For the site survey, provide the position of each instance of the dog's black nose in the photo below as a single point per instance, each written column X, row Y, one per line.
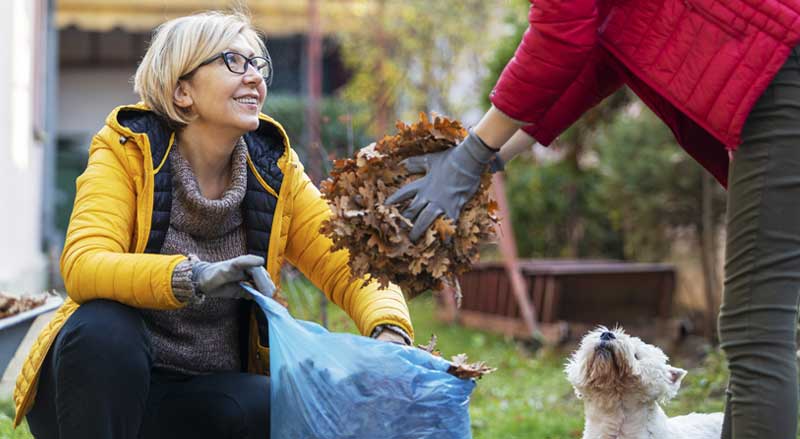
column 606, row 336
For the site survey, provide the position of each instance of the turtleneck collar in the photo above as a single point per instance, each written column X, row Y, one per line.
column 196, row 214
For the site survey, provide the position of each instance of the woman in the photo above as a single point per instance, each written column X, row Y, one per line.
column 725, row 76
column 185, row 195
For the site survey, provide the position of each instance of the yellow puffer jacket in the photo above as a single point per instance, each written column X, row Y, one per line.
column 110, row 227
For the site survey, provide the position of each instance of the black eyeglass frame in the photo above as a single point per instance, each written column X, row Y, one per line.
column 248, row 62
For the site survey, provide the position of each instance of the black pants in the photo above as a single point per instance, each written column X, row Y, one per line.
column 97, row 381
column 758, row 318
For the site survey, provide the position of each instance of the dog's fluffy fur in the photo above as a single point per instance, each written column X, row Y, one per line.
column 621, row 380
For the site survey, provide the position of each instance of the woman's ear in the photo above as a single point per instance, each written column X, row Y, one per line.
column 182, row 96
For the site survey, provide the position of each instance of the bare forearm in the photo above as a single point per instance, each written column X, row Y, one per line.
column 495, row 128
column 518, row 143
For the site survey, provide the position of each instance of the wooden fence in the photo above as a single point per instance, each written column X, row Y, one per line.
column 568, row 296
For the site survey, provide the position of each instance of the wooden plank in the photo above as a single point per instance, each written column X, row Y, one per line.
column 468, row 288
column 512, row 308
column 549, row 299
column 538, row 295
column 667, row 291
column 566, row 291
column 489, row 291
column 487, row 279
column 599, row 298
column 503, row 296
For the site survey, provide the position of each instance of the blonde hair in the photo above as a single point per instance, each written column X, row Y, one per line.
column 181, row 45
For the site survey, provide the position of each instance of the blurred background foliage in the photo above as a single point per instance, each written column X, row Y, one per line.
column 613, row 186
column 411, row 55
column 340, row 134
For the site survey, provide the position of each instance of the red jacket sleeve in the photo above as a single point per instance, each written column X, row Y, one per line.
column 553, row 52
column 595, row 82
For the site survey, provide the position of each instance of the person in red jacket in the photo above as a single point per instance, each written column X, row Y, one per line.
column 724, row 75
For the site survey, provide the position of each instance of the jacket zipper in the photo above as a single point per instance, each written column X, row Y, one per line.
column 727, row 28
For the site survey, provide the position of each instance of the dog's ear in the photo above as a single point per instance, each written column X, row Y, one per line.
column 676, row 375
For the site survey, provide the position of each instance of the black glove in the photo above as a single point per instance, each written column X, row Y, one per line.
column 221, row 279
column 451, row 178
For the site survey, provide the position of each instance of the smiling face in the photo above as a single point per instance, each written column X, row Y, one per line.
column 222, row 99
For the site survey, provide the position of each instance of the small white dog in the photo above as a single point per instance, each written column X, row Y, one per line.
column 621, row 380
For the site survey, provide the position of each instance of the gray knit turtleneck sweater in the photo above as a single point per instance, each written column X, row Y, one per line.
column 203, row 336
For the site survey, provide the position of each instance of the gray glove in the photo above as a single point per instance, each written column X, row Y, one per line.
column 263, row 281
column 451, row 179
column 221, row 279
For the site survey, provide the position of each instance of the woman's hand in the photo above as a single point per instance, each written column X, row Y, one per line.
column 451, row 178
column 221, row 279
column 262, row 280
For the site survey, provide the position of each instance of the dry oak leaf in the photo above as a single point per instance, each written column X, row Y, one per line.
column 459, row 366
column 461, row 369
column 431, row 346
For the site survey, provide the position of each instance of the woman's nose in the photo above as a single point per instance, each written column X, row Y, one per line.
column 251, row 75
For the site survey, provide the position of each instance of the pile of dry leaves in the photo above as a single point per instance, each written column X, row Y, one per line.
column 11, row 304
column 377, row 235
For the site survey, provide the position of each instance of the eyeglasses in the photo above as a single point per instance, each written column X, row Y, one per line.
column 238, row 63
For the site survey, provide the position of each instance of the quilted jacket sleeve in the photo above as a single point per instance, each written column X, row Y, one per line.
column 552, row 54
column 595, row 82
column 310, row 251
column 97, row 262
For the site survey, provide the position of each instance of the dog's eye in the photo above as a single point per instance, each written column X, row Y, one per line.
column 636, row 356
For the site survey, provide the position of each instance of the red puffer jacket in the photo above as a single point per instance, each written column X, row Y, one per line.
column 699, row 64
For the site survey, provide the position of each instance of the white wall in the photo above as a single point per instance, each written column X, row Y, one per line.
column 85, row 97
column 22, row 267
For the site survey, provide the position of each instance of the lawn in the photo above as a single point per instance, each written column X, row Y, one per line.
column 528, row 396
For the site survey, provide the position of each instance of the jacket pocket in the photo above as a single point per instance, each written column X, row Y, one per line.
column 258, row 342
column 731, row 24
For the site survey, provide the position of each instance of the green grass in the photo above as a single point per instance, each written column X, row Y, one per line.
column 528, row 396
column 6, row 432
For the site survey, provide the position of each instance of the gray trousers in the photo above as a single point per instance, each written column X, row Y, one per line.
column 758, row 317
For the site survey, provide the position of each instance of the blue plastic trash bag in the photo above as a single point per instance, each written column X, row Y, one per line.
column 341, row 386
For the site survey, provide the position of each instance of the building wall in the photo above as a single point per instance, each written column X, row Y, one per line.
column 22, row 264
column 87, row 95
